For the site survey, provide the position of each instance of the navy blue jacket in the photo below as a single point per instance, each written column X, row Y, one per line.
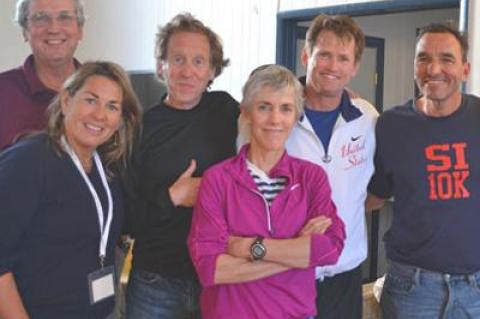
column 49, row 232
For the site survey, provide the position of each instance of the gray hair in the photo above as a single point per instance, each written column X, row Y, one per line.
column 276, row 77
column 23, row 11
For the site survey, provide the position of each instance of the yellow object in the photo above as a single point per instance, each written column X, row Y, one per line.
column 127, row 265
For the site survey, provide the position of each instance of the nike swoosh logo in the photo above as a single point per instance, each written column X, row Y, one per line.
column 355, row 138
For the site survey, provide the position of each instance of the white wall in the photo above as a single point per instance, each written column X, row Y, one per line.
column 123, row 31
column 14, row 49
column 286, row 5
column 247, row 28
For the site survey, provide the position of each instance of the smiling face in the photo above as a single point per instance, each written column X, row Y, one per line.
column 271, row 115
column 92, row 115
column 440, row 70
column 53, row 31
column 330, row 66
column 187, row 69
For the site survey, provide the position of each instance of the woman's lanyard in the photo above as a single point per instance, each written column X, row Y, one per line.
column 104, row 229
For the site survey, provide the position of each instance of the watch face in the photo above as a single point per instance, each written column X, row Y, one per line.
column 258, row 251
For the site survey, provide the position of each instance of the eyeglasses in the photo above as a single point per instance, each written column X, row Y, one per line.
column 42, row 19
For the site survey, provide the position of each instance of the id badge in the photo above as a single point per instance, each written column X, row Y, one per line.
column 101, row 284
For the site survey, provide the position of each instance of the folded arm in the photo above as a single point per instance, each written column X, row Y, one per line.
column 291, row 253
column 230, row 269
column 237, row 265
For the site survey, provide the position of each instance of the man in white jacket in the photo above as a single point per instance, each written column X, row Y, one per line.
column 337, row 132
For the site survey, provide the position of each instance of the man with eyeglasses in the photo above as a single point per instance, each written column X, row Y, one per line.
column 53, row 30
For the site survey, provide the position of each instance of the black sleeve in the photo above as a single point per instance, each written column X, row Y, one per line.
column 137, row 204
column 146, row 201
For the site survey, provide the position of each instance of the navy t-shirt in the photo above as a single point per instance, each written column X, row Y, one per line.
column 432, row 168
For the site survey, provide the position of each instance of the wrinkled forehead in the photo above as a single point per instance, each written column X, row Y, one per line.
column 330, row 40
column 434, row 43
column 345, row 38
column 51, row 6
column 187, row 42
column 272, row 94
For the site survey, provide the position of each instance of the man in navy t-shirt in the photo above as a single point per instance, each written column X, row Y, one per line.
column 428, row 159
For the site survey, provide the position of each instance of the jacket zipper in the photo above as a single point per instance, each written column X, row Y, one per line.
column 326, row 158
column 267, row 211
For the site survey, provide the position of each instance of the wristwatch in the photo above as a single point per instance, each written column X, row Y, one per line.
column 258, row 249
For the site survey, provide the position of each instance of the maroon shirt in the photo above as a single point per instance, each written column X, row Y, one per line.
column 23, row 102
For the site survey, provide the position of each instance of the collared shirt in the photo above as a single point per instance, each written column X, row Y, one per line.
column 23, row 102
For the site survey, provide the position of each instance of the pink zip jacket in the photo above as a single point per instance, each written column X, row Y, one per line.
column 229, row 203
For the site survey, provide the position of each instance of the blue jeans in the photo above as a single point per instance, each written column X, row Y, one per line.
column 150, row 296
column 410, row 292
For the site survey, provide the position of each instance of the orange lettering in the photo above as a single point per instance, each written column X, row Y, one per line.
column 459, row 179
column 444, row 160
column 460, row 156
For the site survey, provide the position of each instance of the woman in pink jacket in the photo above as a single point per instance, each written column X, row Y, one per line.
column 263, row 220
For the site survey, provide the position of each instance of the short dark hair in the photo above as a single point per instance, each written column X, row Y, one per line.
column 342, row 26
column 446, row 28
column 186, row 22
